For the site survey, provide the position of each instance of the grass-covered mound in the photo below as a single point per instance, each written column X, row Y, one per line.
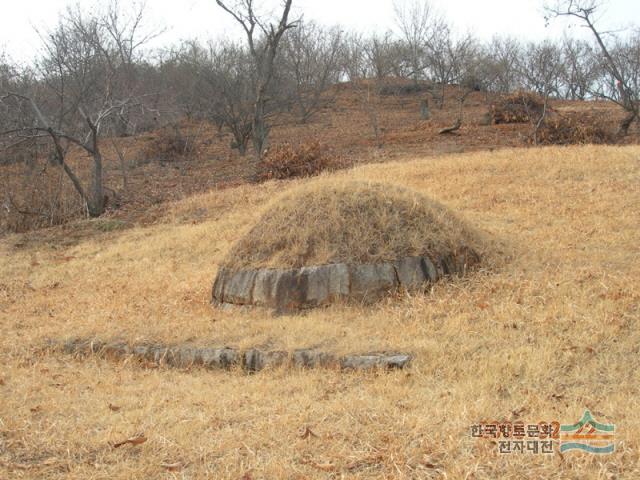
column 350, row 222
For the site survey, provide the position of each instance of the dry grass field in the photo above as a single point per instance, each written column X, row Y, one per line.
column 548, row 328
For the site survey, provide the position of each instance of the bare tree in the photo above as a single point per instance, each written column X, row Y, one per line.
column 7, row 76
column 382, row 55
column 541, row 66
column 311, row 57
column 126, row 35
column 500, row 64
column 353, row 61
column 226, row 93
column 581, row 69
column 625, row 96
column 7, row 72
column 627, row 55
column 72, row 98
column 418, row 23
column 447, row 56
column 263, row 38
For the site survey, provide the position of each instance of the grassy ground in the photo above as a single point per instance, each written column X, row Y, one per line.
column 546, row 330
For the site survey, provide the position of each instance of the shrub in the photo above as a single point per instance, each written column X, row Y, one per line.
column 171, row 143
column 517, row 108
column 574, row 129
column 304, row 160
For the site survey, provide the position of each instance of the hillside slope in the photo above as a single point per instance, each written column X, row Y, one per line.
column 151, row 172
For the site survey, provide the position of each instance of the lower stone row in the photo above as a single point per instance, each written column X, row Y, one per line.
column 252, row 360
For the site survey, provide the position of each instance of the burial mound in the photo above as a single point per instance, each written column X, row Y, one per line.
column 332, row 241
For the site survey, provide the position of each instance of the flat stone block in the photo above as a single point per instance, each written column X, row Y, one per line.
column 369, row 282
column 411, row 272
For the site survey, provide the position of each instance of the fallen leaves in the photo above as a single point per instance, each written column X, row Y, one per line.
column 137, row 439
column 114, row 408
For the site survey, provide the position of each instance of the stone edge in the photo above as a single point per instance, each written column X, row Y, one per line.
column 310, row 287
column 225, row 358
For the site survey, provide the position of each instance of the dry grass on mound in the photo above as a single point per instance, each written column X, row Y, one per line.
column 350, row 222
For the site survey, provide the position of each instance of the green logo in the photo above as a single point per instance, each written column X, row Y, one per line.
column 588, row 435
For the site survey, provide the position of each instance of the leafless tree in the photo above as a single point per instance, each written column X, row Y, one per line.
column 383, row 56
column 73, row 96
column 581, row 68
column 500, row 64
column 177, row 76
column 624, row 95
column 541, row 66
column 311, row 58
column 126, row 35
column 7, row 76
column 7, row 72
column 227, row 91
column 353, row 60
column 263, row 39
column 419, row 23
column 627, row 55
column 447, row 56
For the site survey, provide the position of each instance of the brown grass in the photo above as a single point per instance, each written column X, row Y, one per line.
column 333, row 221
column 544, row 336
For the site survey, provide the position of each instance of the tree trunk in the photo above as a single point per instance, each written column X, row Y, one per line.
column 260, row 130
column 96, row 204
column 425, row 114
column 626, row 122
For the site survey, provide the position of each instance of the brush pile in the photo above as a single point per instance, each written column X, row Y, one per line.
column 572, row 129
column 518, row 107
column 286, row 160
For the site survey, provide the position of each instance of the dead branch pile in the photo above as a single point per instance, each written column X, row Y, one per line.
column 519, row 107
column 303, row 160
column 573, row 129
